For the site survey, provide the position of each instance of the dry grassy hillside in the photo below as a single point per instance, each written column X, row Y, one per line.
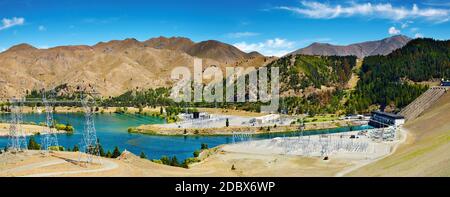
column 111, row 67
column 426, row 152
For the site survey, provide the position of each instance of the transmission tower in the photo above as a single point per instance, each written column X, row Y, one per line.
column 50, row 138
column 17, row 137
column 89, row 143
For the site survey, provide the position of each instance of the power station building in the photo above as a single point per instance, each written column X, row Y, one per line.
column 384, row 119
column 445, row 83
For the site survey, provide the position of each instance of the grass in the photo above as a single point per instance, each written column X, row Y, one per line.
column 322, row 118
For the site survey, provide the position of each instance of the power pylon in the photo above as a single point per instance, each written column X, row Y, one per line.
column 89, row 144
column 17, row 137
column 50, row 138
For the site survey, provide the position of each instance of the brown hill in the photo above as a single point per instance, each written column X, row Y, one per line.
column 211, row 49
column 110, row 67
column 425, row 152
column 361, row 50
column 172, row 43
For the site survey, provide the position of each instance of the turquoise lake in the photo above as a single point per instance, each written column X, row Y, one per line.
column 112, row 131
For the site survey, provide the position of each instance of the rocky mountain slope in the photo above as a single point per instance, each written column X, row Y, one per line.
column 361, row 50
column 206, row 49
column 111, row 67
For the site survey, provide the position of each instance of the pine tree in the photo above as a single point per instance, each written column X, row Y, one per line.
column 108, row 154
column 100, row 148
column 165, row 160
column 116, row 153
column 174, row 161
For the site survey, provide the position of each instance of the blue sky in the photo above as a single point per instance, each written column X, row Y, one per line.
column 272, row 27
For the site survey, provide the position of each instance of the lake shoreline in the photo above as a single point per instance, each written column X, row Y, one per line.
column 28, row 129
column 229, row 131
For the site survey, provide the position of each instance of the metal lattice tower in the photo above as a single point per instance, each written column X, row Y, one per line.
column 50, row 138
column 17, row 137
column 89, row 143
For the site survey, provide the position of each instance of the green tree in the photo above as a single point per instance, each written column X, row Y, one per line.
column 143, row 156
column 174, row 161
column 108, row 154
column 33, row 145
column 196, row 153
column 227, row 123
column 75, row 148
column 165, row 160
column 116, row 153
column 140, row 109
column 100, row 148
column 204, row 146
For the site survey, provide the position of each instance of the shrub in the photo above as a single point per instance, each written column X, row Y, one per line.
column 75, row 148
column 33, row 145
column 143, row 156
column 196, row 153
column 56, row 148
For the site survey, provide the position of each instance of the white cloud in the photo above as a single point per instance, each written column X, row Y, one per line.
column 272, row 47
column 418, row 35
column 393, row 31
column 414, row 29
column 42, row 28
column 406, row 24
column 241, row 34
column 313, row 9
column 7, row 23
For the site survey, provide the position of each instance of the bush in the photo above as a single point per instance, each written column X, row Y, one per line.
column 56, row 148
column 33, row 145
column 174, row 162
column 188, row 161
column 143, row 156
column 204, row 146
column 196, row 153
column 165, row 160
column 75, row 148
column 62, row 127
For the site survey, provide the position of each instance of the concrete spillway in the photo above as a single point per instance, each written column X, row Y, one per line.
column 423, row 102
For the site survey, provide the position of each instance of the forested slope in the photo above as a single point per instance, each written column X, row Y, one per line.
column 392, row 80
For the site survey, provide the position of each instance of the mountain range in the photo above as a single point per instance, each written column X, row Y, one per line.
column 361, row 50
column 117, row 66
column 112, row 67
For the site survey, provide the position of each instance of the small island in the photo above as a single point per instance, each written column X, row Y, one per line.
column 229, row 122
column 33, row 129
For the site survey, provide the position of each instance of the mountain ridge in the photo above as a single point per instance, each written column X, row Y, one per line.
column 112, row 67
column 361, row 50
